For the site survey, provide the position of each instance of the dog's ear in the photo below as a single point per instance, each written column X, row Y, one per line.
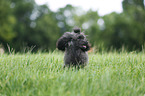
column 60, row 44
column 63, row 41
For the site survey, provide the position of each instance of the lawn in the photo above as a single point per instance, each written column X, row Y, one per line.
column 42, row 74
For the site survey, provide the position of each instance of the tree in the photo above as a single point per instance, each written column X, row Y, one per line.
column 46, row 31
column 124, row 29
column 128, row 4
column 65, row 17
column 7, row 22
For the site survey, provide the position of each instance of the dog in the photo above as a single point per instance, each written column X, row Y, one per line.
column 75, row 46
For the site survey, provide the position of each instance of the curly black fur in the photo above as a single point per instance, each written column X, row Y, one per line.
column 75, row 46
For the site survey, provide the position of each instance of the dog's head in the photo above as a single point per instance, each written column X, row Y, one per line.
column 78, row 41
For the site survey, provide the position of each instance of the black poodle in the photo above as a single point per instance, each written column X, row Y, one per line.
column 75, row 46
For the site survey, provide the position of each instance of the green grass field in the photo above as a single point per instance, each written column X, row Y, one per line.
column 41, row 74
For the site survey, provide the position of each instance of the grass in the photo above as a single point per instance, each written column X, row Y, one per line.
column 41, row 74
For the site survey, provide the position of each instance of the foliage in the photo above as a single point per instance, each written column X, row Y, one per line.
column 43, row 74
column 65, row 18
column 24, row 24
column 128, row 4
column 7, row 22
column 30, row 25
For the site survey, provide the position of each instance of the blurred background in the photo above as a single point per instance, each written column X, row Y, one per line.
column 37, row 24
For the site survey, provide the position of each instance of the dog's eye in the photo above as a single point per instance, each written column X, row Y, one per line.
column 80, row 37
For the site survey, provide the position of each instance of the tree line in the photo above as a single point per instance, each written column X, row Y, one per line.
column 25, row 25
